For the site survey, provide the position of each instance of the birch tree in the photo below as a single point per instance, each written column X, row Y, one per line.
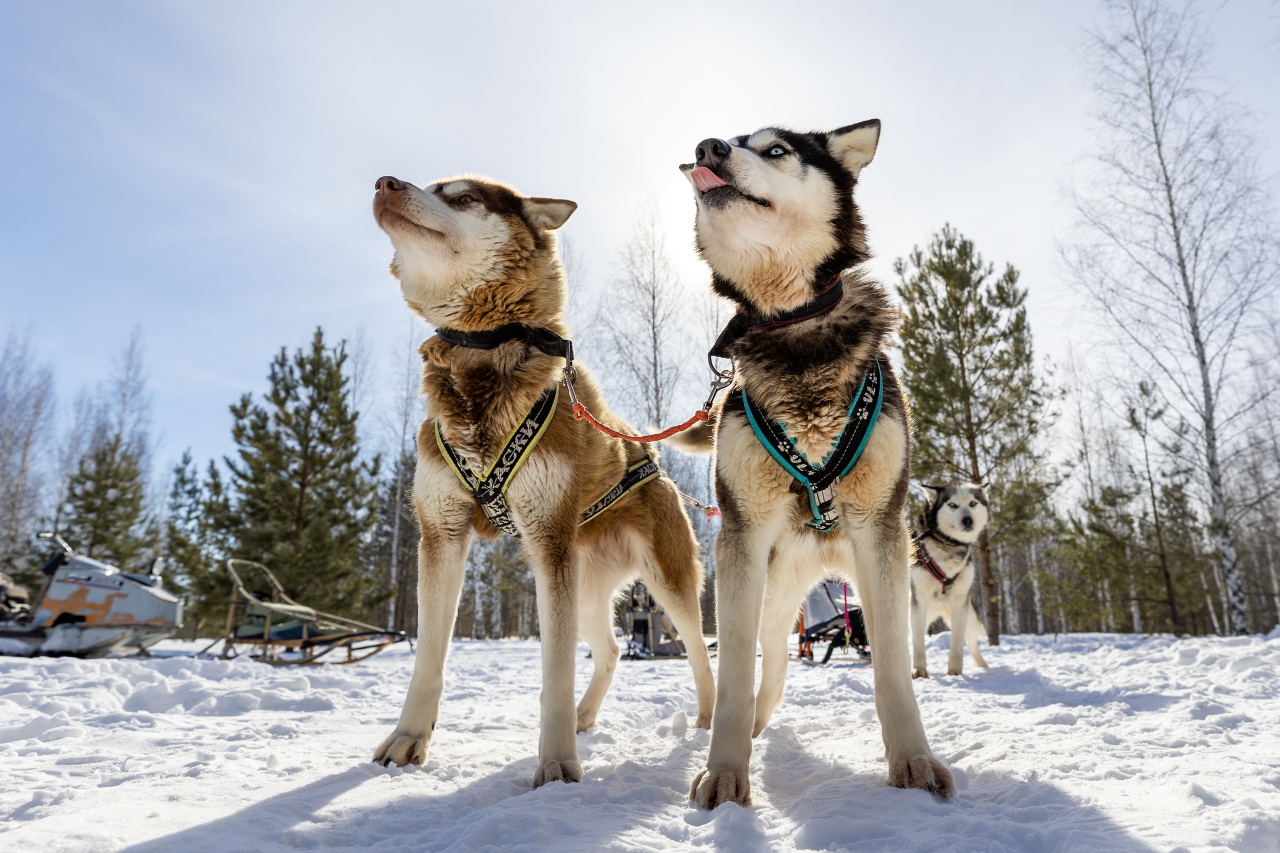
column 26, row 404
column 1174, row 241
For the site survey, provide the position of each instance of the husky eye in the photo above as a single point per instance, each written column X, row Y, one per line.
column 953, row 504
column 973, row 503
column 465, row 198
column 776, row 151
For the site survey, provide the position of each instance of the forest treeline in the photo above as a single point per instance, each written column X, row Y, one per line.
column 1133, row 485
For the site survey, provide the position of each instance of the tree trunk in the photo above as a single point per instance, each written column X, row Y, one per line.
column 1208, row 603
column 991, row 596
column 1035, row 590
column 1275, row 581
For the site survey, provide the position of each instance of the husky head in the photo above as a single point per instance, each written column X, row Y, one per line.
column 956, row 510
column 776, row 219
column 473, row 254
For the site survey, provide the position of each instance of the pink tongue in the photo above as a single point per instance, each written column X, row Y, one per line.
column 705, row 179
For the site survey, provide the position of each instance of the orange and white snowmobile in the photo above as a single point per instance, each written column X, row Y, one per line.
column 87, row 608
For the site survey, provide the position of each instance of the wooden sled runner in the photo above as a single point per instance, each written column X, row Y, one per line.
column 282, row 632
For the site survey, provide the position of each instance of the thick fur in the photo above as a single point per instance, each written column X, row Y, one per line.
column 778, row 230
column 957, row 514
column 472, row 254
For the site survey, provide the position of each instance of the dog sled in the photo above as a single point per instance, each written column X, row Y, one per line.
column 275, row 629
column 840, row 625
column 647, row 628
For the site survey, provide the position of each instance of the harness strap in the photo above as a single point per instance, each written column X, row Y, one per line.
column 820, row 480
column 931, row 565
column 490, row 490
column 638, row 473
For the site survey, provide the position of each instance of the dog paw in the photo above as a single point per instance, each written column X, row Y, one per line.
column 704, row 721
column 711, row 788
column 401, row 749
column 585, row 721
column 920, row 672
column 955, row 670
column 558, row 771
column 924, row 772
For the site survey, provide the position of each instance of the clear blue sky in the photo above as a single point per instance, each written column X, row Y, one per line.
column 205, row 170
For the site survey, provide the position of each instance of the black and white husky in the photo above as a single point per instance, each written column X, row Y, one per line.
column 942, row 571
column 811, row 442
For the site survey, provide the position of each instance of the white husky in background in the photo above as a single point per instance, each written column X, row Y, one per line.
column 942, row 571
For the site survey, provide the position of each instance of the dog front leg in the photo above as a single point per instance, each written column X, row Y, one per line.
column 919, row 623
column 556, row 564
column 740, row 581
column 880, row 554
column 973, row 637
column 441, row 567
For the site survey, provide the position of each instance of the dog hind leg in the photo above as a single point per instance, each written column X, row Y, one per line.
column 555, row 570
column 919, row 624
column 775, row 624
column 880, row 557
column 674, row 573
column 595, row 625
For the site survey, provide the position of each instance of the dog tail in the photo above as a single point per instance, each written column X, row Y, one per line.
column 698, row 439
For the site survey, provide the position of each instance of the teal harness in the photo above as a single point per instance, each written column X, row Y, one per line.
column 820, row 481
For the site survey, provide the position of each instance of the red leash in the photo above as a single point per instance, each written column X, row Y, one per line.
column 722, row 379
column 580, row 412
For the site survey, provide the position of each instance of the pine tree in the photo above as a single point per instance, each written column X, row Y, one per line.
column 106, row 504
column 977, row 404
column 299, row 499
column 193, row 565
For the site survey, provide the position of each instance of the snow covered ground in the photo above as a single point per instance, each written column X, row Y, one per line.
column 1091, row 742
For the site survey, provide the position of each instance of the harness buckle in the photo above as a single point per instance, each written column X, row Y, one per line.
column 720, row 379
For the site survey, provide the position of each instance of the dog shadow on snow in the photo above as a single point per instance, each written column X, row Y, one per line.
column 818, row 802
column 832, row 806
column 497, row 811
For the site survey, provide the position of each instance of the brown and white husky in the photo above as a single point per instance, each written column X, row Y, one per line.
column 777, row 225
column 478, row 260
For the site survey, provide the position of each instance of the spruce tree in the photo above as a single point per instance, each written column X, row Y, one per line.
column 298, row 498
column 976, row 402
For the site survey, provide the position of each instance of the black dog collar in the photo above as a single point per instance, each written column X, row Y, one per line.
column 742, row 322
column 541, row 339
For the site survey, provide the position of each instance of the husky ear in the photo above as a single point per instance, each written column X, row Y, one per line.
column 855, row 145
column 549, row 213
column 931, row 492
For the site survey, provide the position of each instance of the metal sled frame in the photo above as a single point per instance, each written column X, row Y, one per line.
column 359, row 639
column 832, row 630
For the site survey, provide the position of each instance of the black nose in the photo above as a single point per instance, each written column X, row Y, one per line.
column 967, row 522
column 711, row 152
column 388, row 183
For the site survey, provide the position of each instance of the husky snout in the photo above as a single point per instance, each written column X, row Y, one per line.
column 389, row 184
column 966, row 522
column 711, row 153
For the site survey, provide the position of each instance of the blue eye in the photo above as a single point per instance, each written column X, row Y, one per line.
column 777, row 151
